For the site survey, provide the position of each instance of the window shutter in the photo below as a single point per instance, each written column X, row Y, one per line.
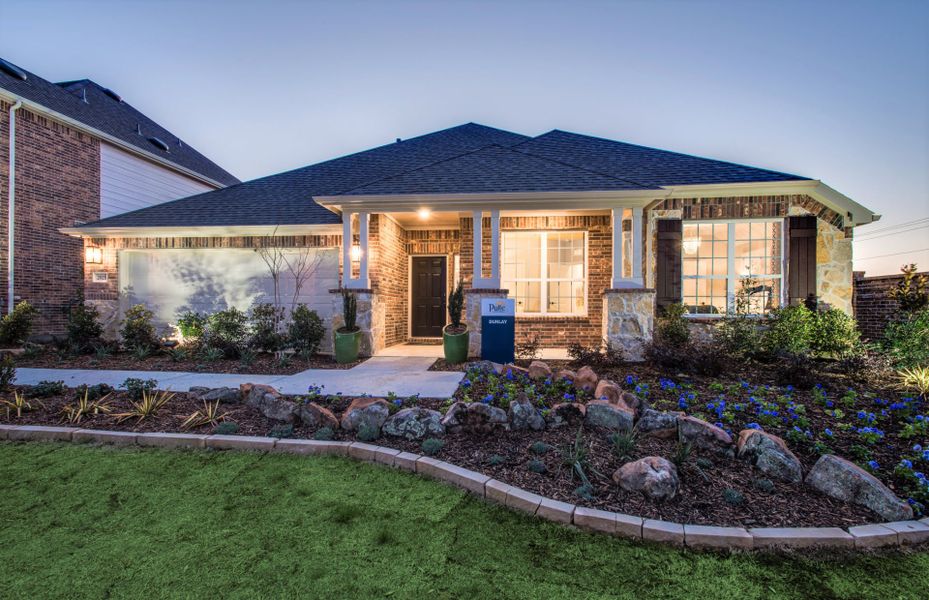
column 801, row 259
column 668, row 276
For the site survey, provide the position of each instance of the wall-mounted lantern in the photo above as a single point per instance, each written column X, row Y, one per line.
column 93, row 255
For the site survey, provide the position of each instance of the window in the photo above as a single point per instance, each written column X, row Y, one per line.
column 732, row 266
column 545, row 271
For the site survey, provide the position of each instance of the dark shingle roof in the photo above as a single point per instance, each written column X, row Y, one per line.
column 494, row 169
column 118, row 119
column 287, row 198
column 646, row 166
column 469, row 158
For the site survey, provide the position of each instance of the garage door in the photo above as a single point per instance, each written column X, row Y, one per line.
column 171, row 282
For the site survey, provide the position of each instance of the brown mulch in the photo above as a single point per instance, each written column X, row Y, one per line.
column 441, row 365
column 700, row 499
column 264, row 364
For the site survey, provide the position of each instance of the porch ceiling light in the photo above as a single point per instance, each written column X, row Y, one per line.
column 691, row 245
column 424, row 213
column 356, row 253
column 93, row 255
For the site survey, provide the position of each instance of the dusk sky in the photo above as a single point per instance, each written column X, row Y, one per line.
column 838, row 91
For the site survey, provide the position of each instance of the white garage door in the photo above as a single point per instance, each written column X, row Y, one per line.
column 171, row 282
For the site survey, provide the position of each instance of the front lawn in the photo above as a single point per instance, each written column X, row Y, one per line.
column 105, row 522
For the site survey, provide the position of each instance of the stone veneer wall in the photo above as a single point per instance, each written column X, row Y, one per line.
column 629, row 320
column 370, row 317
column 833, row 243
column 557, row 332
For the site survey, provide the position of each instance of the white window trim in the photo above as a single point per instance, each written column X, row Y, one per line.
column 544, row 280
column 730, row 263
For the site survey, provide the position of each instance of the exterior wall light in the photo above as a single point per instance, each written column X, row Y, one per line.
column 424, row 213
column 93, row 255
column 356, row 253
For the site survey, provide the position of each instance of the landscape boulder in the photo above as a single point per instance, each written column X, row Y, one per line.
column 475, row 417
column 701, row 434
column 316, row 416
column 225, row 395
column 844, row 480
column 524, row 415
column 609, row 391
column 586, row 380
column 769, row 454
column 539, row 370
column 658, row 423
column 653, row 476
column 268, row 401
column 414, row 424
column 370, row 412
column 565, row 413
column 565, row 374
column 601, row 413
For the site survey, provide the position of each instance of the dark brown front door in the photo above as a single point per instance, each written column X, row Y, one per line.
column 428, row 295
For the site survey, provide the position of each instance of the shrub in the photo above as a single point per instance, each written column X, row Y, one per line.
column 593, row 356
column 84, row 328
column 148, row 405
column 92, row 392
column 455, row 308
column 138, row 387
column 227, row 331
column 912, row 292
column 495, row 460
column 368, row 433
column 540, row 448
column 794, row 369
column 47, row 389
column 137, row 329
column 306, row 330
column 834, row 333
column 282, row 431
column 192, row 325
column 324, row 434
column 765, row 485
column 672, row 327
column 432, row 446
column 623, row 444
column 790, row 330
column 15, row 326
column 536, row 466
column 528, row 350
column 265, row 323
column 907, row 340
column 738, row 336
column 733, row 497
column 7, row 371
column 226, row 428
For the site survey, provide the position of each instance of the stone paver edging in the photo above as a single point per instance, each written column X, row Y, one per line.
column 875, row 535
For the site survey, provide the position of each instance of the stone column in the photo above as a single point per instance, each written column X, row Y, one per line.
column 370, row 318
column 629, row 320
column 472, row 316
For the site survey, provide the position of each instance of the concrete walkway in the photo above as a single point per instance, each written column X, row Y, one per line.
column 376, row 376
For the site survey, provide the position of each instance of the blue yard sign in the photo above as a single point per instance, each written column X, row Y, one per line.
column 498, row 329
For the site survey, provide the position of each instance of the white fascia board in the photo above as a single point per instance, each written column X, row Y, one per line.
column 38, row 108
column 498, row 201
column 854, row 213
column 208, row 231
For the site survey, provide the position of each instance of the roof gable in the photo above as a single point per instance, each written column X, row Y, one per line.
column 89, row 103
column 641, row 164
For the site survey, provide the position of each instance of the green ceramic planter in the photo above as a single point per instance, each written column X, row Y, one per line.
column 346, row 346
column 455, row 346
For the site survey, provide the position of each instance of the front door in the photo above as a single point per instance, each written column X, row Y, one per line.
column 428, row 291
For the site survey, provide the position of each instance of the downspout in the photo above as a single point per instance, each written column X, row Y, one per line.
column 11, row 210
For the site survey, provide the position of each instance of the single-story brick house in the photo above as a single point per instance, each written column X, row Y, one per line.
column 588, row 235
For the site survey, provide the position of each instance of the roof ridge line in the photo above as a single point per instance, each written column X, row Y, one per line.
column 515, row 149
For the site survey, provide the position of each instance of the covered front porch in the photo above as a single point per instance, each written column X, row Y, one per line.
column 577, row 274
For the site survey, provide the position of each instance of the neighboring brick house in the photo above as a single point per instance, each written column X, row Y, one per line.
column 588, row 235
column 874, row 308
column 81, row 154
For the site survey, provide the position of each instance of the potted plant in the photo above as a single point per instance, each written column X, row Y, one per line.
column 348, row 337
column 455, row 335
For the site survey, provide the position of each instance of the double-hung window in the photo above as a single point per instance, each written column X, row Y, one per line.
column 545, row 271
column 730, row 266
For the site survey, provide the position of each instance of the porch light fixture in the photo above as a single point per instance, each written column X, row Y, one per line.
column 424, row 213
column 356, row 253
column 691, row 245
column 93, row 255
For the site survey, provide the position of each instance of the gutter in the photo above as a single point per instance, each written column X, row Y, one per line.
column 11, row 212
column 38, row 108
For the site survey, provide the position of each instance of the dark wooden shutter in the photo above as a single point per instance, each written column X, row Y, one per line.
column 801, row 258
column 668, row 277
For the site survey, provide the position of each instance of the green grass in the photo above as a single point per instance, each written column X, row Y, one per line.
column 79, row 522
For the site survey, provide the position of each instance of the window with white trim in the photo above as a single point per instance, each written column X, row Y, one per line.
column 732, row 265
column 546, row 271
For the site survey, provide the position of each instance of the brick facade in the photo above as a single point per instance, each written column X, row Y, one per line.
column 874, row 309
column 57, row 185
column 390, row 275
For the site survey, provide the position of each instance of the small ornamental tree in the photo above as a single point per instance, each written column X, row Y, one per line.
column 455, row 307
column 912, row 292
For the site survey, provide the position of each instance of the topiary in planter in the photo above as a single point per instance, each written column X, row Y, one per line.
column 455, row 336
column 348, row 337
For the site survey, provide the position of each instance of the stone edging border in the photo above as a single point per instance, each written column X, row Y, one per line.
column 876, row 535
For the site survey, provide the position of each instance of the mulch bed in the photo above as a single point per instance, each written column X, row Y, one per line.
column 264, row 364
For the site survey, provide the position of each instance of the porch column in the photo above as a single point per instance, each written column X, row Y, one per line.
column 362, row 281
column 621, row 279
column 617, row 225
column 637, row 246
column 492, row 282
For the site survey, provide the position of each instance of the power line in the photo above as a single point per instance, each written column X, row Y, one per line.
column 865, row 238
column 892, row 254
column 897, row 226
